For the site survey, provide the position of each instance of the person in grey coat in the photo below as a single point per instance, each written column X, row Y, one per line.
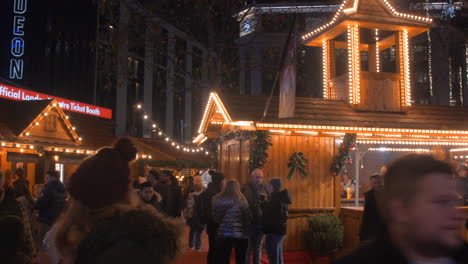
column 231, row 211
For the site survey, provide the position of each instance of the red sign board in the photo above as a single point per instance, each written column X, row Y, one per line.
column 18, row 94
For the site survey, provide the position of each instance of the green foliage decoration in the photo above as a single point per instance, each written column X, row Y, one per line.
column 259, row 148
column 298, row 162
column 343, row 158
column 324, row 234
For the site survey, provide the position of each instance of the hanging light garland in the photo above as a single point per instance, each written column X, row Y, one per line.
column 174, row 144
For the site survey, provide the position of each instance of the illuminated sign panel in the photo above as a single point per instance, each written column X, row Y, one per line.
column 18, row 94
column 17, row 42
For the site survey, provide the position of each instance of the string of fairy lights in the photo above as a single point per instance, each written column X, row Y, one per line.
column 168, row 139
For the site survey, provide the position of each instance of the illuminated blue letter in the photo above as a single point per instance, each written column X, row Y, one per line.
column 20, row 6
column 18, row 25
column 17, row 47
column 16, row 69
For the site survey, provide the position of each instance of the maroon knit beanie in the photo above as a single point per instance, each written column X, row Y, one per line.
column 104, row 178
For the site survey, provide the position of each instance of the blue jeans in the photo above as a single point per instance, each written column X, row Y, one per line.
column 274, row 248
column 255, row 243
column 195, row 238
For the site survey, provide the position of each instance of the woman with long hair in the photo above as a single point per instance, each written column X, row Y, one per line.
column 231, row 211
column 103, row 224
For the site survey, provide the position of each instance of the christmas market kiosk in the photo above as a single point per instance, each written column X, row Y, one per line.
column 366, row 116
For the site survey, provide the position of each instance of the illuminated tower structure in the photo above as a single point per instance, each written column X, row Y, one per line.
column 367, row 29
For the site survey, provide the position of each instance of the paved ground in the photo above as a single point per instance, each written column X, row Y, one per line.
column 195, row 257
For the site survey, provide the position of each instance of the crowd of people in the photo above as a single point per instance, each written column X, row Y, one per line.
column 101, row 216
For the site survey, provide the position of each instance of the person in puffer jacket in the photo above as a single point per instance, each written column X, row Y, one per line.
column 275, row 220
column 231, row 211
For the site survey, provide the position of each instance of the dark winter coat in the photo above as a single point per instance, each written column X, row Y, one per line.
column 52, row 202
column 9, row 206
column 206, row 198
column 275, row 213
column 21, row 188
column 138, row 235
column 153, row 202
column 383, row 251
column 372, row 222
column 256, row 195
column 232, row 215
column 171, row 203
column 194, row 220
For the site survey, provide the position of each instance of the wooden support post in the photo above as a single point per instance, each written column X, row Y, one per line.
column 373, row 58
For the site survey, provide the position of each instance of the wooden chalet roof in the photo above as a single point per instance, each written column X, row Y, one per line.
column 380, row 14
column 96, row 132
column 15, row 116
column 313, row 111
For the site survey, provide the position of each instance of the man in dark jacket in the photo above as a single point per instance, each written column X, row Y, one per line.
column 149, row 196
column 51, row 203
column 423, row 224
column 171, row 194
column 21, row 186
column 371, row 220
column 256, row 193
column 275, row 220
column 214, row 187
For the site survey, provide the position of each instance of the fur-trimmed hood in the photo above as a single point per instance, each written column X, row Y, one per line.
column 137, row 235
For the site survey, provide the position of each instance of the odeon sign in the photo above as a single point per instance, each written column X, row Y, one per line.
column 17, row 42
column 13, row 93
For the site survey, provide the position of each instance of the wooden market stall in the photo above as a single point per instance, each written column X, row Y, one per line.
column 375, row 105
column 38, row 136
column 158, row 154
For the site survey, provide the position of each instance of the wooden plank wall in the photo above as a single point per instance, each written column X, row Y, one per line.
column 314, row 191
column 380, row 91
column 233, row 157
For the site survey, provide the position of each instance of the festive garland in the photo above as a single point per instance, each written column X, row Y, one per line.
column 258, row 151
column 343, row 158
column 297, row 161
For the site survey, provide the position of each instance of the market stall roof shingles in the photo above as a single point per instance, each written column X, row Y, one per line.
column 96, row 132
column 314, row 111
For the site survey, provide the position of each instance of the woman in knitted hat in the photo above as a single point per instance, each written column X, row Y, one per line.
column 103, row 224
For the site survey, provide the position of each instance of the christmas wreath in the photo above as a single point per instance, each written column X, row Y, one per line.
column 298, row 162
column 343, row 158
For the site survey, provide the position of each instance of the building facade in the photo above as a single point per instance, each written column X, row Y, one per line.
column 439, row 57
column 111, row 53
column 160, row 66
